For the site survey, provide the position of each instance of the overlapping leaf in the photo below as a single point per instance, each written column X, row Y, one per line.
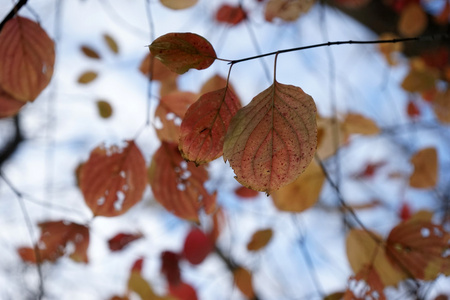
column 113, row 179
column 272, row 140
column 27, row 56
column 157, row 69
column 425, row 174
column 8, row 105
column 205, row 124
column 359, row 124
column 178, row 185
column 183, row 51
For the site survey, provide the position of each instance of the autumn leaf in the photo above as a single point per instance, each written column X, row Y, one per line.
column 245, row 193
column 158, row 70
column 89, row 52
column 425, row 174
column 8, row 105
column 359, row 124
column 182, row 291
column 413, row 20
column 365, row 285
column 104, row 109
column 178, row 185
column 260, row 239
column 111, row 43
column 303, row 193
column 330, row 136
column 272, row 140
column 287, row 10
column 170, row 113
column 214, row 83
column 87, row 77
column 205, row 124
column 218, row 220
column 178, row 4
column 369, row 170
column 113, row 179
column 183, row 51
column 390, row 50
column 441, row 106
column 243, row 281
column 140, row 286
column 121, row 240
column 27, row 56
column 231, row 15
column 170, row 267
column 197, row 246
column 405, row 212
column 420, row 78
column 412, row 110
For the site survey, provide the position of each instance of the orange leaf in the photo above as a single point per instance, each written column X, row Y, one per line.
column 89, row 52
column 413, row 20
column 229, row 14
column 216, row 82
column 243, row 280
column 260, row 239
column 27, row 56
column 121, row 240
column 441, row 106
column 178, row 185
column 159, row 71
column 111, row 42
column 113, row 179
column 389, row 50
column 425, row 169
column 197, row 246
column 358, row 124
column 272, row 140
column 87, row 77
column 170, row 112
column 420, row 247
column 303, row 193
column 244, row 192
column 365, row 285
column 287, row 10
column 183, row 51
column 27, row 254
column 104, row 109
column 178, row 4
column 8, row 105
column 205, row 124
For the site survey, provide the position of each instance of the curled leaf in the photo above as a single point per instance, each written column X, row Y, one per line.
column 183, row 51
column 205, row 124
column 272, row 140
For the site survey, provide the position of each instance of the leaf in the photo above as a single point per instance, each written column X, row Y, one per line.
column 138, row 265
column 260, row 239
column 363, row 251
column 413, row 20
column 412, row 110
column 8, row 105
column 405, row 212
column 303, row 193
column 178, row 185
column 138, row 285
column 330, row 136
column 183, row 51
column 390, row 50
column 218, row 219
column 271, row 141
column 121, row 240
column 87, row 77
column 419, row 80
column 246, row 193
column 27, row 254
column 365, row 285
column 203, row 129
column 104, row 109
column 159, row 71
column 170, row 113
column 231, row 15
column 178, row 4
column 287, row 10
column 113, row 179
column 197, row 246
column 27, row 56
column 420, row 247
column 352, row 4
column 441, row 106
column 334, row 296
column 425, row 174
column 243, row 281
column 170, row 267
column 215, row 83
column 369, row 170
column 111, row 43
column 358, row 124
column 89, row 52
column 182, row 291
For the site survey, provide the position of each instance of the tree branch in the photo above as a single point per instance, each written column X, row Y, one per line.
column 13, row 12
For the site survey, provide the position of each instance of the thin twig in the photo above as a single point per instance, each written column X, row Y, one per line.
column 13, row 12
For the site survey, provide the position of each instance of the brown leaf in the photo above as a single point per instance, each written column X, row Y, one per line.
column 178, row 4
column 121, row 240
column 178, row 185
column 231, row 15
column 303, row 193
column 87, row 77
column 413, row 20
column 27, row 56
column 159, row 71
column 425, row 174
column 365, row 285
column 8, row 105
column 104, row 109
column 260, row 239
column 111, row 42
column 330, row 136
column 420, row 79
column 243, row 281
column 89, row 52
column 390, row 50
column 441, row 106
column 358, row 124
column 287, row 10
column 113, row 179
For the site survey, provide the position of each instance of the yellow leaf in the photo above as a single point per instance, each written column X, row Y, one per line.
column 87, row 77
column 260, row 239
column 178, row 4
column 303, row 192
column 243, row 280
column 358, row 124
column 425, row 173
column 137, row 284
column 330, row 136
column 111, row 42
column 104, row 109
column 413, row 20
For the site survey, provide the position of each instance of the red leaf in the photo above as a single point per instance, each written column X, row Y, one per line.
column 229, row 14
column 121, row 240
column 27, row 254
column 170, row 267
column 178, row 185
column 369, row 170
column 113, row 179
column 405, row 212
column 27, row 56
column 159, row 71
column 272, row 140
column 246, row 193
column 412, row 110
column 8, row 105
column 182, row 291
column 205, row 124
column 183, row 51
column 197, row 246
column 137, row 265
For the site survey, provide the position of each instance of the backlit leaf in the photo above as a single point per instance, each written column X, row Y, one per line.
column 140, row 286
column 113, row 179
column 121, row 240
column 243, row 281
column 178, row 185
column 89, row 52
column 178, row 4
column 303, row 193
column 272, row 140
column 111, row 42
column 183, row 51
column 159, row 71
column 87, row 77
column 413, row 20
column 27, row 56
column 205, row 124
column 170, row 113
column 441, row 106
column 8, row 105
column 287, row 10
column 197, row 246
column 260, row 239
column 104, row 109
column 229, row 14
column 425, row 172
column 358, row 124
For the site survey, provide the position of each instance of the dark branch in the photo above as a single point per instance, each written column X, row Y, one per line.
column 13, row 12
column 13, row 144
